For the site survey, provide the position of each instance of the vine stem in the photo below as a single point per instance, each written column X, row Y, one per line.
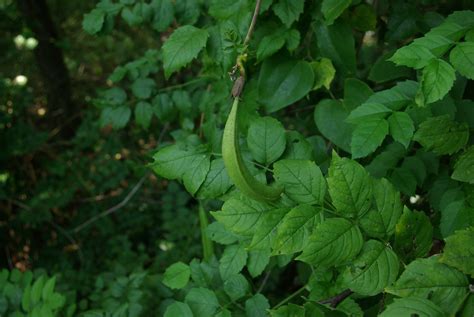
column 254, row 21
column 290, row 297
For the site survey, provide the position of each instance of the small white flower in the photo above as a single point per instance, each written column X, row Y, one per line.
column 31, row 43
column 19, row 41
column 20, row 80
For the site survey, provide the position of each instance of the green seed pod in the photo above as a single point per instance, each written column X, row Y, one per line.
column 238, row 172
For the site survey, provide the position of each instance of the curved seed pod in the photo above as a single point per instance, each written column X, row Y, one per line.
column 234, row 164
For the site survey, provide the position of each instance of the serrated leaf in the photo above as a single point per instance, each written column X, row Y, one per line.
column 202, row 301
column 330, row 117
column 218, row 233
column 267, row 228
column 288, row 10
column 442, row 135
column 427, row 278
column 375, row 268
column 266, row 139
column 437, row 44
column 93, row 21
column 177, row 275
column 456, row 212
column 368, row 136
column 367, row 111
column 236, row 286
column 143, row 87
column 302, row 180
column 462, row 58
column 258, row 261
column 217, row 181
column 412, row 306
column 163, row 14
column 324, row 73
column 332, row 9
column 380, row 222
column 270, row 44
column 332, row 234
column 350, row 187
column 458, row 251
column 182, row 47
column 397, row 97
column 401, row 127
column 257, row 306
column 283, row 82
column 413, row 55
column 143, row 114
column 195, row 172
column 336, row 42
column 117, row 117
column 232, row 261
column 437, row 79
column 464, row 167
column 413, row 235
column 171, row 162
column 178, row 309
column 356, row 92
column 295, row 228
column 241, row 215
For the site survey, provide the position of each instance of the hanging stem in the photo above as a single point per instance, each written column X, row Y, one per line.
column 207, row 245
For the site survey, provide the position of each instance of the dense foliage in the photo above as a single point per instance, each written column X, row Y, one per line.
column 344, row 186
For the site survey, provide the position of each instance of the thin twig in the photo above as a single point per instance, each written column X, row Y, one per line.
column 9, row 258
column 290, row 297
column 69, row 238
column 336, row 300
column 264, row 282
column 254, row 21
column 114, row 208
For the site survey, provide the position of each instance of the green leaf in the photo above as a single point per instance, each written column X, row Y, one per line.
column 297, row 147
column 257, row 306
column 218, row 233
column 236, row 286
column 427, row 278
column 462, row 58
column 117, row 117
column 93, row 21
column 397, row 97
column 375, row 268
column 401, row 127
column 458, row 251
column 442, row 135
column 143, row 87
column 464, row 167
column 48, row 289
column 332, row 9
column 178, row 309
column 177, row 275
column 232, row 261
column 143, row 114
column 288, row 10
column 350, row 187
column 436, row 44
column 202, row 301
column 437, row 79
column 336, row 42
column 364, row 17
column 267, row 228
column 163, row 14
column 172, row 161
column 332, row 234
column 412, row 306
column 258, row 261
column 383, row 70
column 413, row 235
column 413, row 55
column 182, row 47
column 380, row 222
column 217, row 181
column 367, row 111
column 324, row 73
column 368, row 136
column 266, row 139
column 387, row 160
column 270, row 44
column 302, row 180
column 356, row 92
column 241, row 215
column 330, row 117
column 295, row 228
column 195, row 172
column 282, row 83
